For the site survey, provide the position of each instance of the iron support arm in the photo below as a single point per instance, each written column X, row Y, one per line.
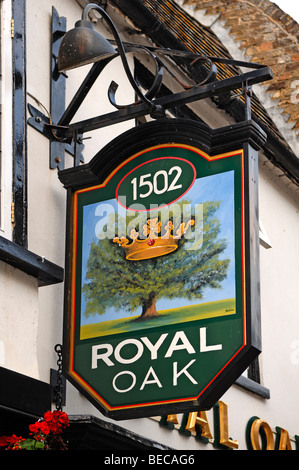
column 177, row 99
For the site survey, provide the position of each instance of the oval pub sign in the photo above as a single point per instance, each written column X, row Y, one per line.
column 156, row 183
column 157, row 313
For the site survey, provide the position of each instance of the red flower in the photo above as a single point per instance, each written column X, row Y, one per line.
column 48, row 416
column 57, row 421
column 11, row 442
column 39, row 427
column 52, row 423
column 4, row 441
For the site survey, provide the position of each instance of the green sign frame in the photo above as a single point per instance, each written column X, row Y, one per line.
column 160, row 289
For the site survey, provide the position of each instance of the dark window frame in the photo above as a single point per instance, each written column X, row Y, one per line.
column 19, row 124
column 15, row 252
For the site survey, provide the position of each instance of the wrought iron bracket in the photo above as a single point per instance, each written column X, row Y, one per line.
column 66, row 137
column 43, row 123
column 74, row 146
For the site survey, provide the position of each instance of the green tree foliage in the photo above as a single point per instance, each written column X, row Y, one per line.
column 113, row 281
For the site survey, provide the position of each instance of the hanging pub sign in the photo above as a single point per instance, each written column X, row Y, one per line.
column 161, row 299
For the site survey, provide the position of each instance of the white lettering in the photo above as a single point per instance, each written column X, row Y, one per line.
column 139, row 220
column 176, row 374
column 179, row 342
column 194, row 237
column 151, row 182
column 95, row 356
column 155, row 379
column 124, row 343
column 174, row 346
column 126, row 389
column 115, row 460
column 203, row 342
column 154, row 347
column 110, row 219
column 105, row 227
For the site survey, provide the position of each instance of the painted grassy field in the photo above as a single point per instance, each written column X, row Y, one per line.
column 171, row 316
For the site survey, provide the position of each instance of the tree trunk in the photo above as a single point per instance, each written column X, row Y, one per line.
column 149, row 308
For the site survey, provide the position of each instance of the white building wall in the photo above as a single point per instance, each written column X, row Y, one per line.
column 31, row 324
column 18, row 321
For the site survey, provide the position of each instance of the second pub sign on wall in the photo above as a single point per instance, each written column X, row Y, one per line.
column 161, row 299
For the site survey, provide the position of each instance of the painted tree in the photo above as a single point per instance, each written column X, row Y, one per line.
column 114, row 281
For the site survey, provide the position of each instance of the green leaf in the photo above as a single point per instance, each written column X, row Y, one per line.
column 32, row 444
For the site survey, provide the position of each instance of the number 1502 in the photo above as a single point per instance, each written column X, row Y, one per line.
column 158, row 183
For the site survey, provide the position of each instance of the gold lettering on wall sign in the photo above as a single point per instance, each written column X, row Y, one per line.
column 223, row 427
column 172, row 419
column 284, row 439
column 199, row 419
column 259, row 426
column 259, row 435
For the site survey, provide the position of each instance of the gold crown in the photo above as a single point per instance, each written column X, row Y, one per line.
column 153, row 245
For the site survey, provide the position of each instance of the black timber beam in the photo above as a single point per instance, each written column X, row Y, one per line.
column 20, row 258
column 23, row 399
